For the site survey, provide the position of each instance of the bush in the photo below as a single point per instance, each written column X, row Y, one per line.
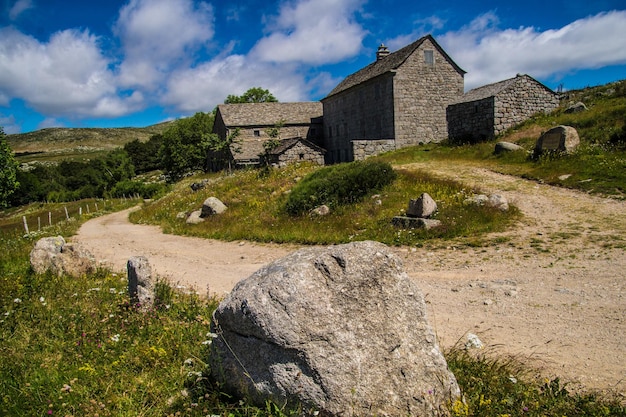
column 339, row 185
column 129, row 188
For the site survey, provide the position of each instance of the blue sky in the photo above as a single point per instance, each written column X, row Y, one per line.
column 107, row 63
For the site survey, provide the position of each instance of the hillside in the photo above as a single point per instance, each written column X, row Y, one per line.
column 54, row 144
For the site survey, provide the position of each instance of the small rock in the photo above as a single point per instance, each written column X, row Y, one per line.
column 423, row 207
column 195, row 217
column 498, row 201
column 322, row 210
column 564, row 177
column 502, row 147
column 140, row 285
column 576, row 108
column 211, row 206
column 488, row 302
column 473, row 342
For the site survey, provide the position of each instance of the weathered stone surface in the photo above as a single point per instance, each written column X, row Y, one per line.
column 322, row 210
column 140, row 282
column 212, row 205
column 424, row 206
column 498, row 201
column 576, row 108
column 560, row 139
column 341, row 330
column 61, row 258
column 195, row 217
column 503, row 147
column 479, row 200
column 405, row 222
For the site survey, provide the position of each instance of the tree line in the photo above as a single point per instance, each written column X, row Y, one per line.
column 187, row 145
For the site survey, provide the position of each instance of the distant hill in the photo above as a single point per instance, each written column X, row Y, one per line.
column 53, row 144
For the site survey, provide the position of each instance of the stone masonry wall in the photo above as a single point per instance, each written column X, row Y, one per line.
column 300, row 152
column 422, row 93
column 471, row 121
column 363, row 149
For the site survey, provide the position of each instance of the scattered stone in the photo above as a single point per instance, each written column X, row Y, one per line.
column 511, row 293
column 55, row 255
column 473, row 342
column 140, row 284
column 576, row 108
column 197, row 186
column 558, row 139
column 195, row 217
column 313, row 329
column 322, row 210
column 498, row 201
column 423, row 207
column 503, row 147
column 404, row 222
column 564, row 177
column 211, row 206
column 488, row 302
column 181, row 215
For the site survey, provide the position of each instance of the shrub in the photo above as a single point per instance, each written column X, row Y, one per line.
column 338, row 185
column 128, row 188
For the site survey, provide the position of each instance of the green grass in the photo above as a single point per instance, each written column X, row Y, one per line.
column 256, row 211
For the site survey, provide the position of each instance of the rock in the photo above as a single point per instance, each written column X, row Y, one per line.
column 140, row 284
column 405, row 222
column 195, row 217
column 182, row 215
column 322, row 210
column 211, row 206
column 337, row 329
column 196, row 186
column 424, row 206
column 55, row 255
column 473, row 342
column 502, row 147
column 558, row 139
column 498, row 201
column 576, row 108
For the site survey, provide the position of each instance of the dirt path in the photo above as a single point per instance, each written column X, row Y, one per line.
column 551, row 291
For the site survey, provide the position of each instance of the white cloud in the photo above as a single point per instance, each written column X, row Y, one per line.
column 158, row 35
column 490, row 54
column 8, row 124
column 207, row 85
column 313, row 32
column 50, row 122
column 20, row 7
column 66, row 76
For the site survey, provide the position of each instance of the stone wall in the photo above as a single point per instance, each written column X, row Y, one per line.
column 363, row 149
column 422, row 92
column 486, row 117
column 299, row 152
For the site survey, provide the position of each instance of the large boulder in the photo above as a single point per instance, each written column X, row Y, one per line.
column 54, row 254
column 340, row 330
column 558, row 139
column 140, row 282
column 211, row 206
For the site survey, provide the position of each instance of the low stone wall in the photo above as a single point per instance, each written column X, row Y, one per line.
column 363, row 149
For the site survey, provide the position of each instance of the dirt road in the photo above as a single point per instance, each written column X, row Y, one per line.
column 551, row 291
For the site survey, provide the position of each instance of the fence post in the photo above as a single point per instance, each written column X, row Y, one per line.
column 49, row 218
column 39, row 224
column 67, row 216
column 80, row 211
column 25, row 225
column 96, row 206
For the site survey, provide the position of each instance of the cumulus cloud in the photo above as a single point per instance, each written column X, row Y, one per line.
column 490, row 54
column 66, row 76
column 8, row 124
column 313, row 32
column 158, row 35
column 20, row 7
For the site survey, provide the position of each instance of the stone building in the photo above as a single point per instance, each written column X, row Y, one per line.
column 397, row 101
column 254, row 121
column 485, row 112
column 296, row 150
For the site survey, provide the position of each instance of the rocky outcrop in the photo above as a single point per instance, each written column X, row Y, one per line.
column 55, row 255
column 340, row 330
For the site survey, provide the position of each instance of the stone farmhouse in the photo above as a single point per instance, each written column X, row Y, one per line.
column 485, row 112
column 254, row 120
column 411, row 96
column 296, row 149
column 397, row 101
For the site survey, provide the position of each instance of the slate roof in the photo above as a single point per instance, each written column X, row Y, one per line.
column 288, row 143
column 268, row 114
column 492, row 90
column 388, row 64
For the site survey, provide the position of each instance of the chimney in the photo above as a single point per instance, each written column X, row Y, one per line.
column 382, row 52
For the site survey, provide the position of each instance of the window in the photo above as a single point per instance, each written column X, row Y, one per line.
column 257, row 133
column 429, row 57
column 301, row 156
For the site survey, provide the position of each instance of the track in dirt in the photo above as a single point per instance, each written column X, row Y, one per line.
column 550, row 292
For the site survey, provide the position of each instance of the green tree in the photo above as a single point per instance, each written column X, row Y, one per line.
column 221, row 150
column 145, row 155
column 8, row 170
column 253, row 95
column 186, row 144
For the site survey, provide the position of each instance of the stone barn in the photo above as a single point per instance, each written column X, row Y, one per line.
column 296, row 150
column 254, row 121
column 485, row 112
column 397, row 101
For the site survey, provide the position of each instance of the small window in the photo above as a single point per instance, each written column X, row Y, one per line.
column 301, row 156
column 429, row 57
column 257, row 133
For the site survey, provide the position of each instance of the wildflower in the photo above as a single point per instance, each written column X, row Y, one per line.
column 112, row 290
column 115, row 337
column 207, row 342
column 42, row 301
column 211, row 335
column 17, row 300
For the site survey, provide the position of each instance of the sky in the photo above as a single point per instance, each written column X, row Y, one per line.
column 107, row 63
